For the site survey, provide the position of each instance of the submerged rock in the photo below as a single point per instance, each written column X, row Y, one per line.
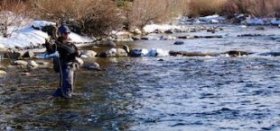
column 190, row 54
column 209, row 37
column 179, row 43
column 92, row 66
column 249, row 35
column 235, row 53
column 260, row 28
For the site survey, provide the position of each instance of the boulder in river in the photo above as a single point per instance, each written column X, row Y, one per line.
column 88, row 54
column 235, row 53
column 121, row 52
column 92, row 66
column 20, row 63
column 136, row 31
column 179, row 43
column 113, row 52
column 43, row 64
column 28, row 54
column 2, row 73
column 13, row 55
column 32, row 65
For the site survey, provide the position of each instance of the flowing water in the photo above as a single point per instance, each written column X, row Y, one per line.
column 174, row 93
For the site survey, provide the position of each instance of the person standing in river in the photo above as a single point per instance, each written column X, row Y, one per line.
column 65, row 63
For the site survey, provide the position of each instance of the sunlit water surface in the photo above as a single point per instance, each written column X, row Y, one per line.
column 175, row 93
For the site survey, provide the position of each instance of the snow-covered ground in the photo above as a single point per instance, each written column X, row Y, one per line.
column 26, row 36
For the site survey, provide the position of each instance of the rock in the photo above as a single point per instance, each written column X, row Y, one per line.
column 136, row 31
column 80, row 61
column 123, row 36
column 185, row 37
column 208, row 37
column 249, row 35
column 92, row 66
column 211, row 30
column 32, row 65
column 107, row 43
column 2, row 73
column 2, row 67
column 138, row 37
column 43, row 64
column 260, row 28
column 2, row 48
column 20, row 63
column 13, row 55
column 88, row 54
column 169, row 32
column 179, row 43
column 121, row 52
column 168, row 37
column 234, row 53
column 151, row 37
column 28, row 54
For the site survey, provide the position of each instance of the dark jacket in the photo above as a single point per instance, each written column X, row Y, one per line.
column 67, row 51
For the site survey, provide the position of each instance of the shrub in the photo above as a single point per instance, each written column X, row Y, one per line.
column 205, row 7
column 142, row 12
column 258, row 8
column 93, row 17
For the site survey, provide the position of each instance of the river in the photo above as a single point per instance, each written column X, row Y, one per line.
column 157, row 93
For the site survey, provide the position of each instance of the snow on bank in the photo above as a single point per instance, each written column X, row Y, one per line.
column 26, row 36
column 160, row 27
column 182, row 22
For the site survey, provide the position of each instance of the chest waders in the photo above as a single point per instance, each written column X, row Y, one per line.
column 61, row 81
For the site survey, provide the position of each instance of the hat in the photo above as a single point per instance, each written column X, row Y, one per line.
column 64, row 29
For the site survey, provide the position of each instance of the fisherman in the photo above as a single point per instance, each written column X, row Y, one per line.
column 65, row 63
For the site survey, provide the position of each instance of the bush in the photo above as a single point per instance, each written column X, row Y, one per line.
column 205, row 7
column 143, row 12
column 93, row 17
column 258, row 8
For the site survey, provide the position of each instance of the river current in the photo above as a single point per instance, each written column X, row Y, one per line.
column 158, row 93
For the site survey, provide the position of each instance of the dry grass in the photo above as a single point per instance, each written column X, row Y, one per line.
column 142, row 12
column 100, row 16
column 13, row 13
column 205, row 7
column 94, row 17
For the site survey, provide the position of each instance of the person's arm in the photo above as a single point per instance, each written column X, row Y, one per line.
column 77, row 52
column 50, row 48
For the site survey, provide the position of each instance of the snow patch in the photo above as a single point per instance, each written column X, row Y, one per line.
column 40, row 24
column 26, row 36
column 163, row 27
